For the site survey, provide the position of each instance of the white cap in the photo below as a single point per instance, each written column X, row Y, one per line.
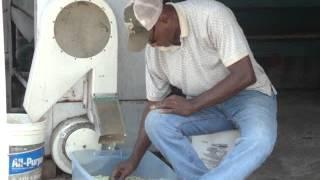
column 147, row 12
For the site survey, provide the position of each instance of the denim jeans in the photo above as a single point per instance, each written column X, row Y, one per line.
column 252, row 112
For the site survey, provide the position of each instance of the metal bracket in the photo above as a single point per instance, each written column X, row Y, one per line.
column 108, row 119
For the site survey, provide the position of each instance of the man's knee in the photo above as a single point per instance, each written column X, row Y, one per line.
column 261, row 133
column 265, row 142
column 154, row 122
column 157, row 123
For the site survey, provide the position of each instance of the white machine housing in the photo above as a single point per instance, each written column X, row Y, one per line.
column 74, row 74
column 54, row 71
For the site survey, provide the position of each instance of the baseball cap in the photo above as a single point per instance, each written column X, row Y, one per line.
column 139, row 17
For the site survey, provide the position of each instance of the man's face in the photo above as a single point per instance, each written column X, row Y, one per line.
column 162, row 34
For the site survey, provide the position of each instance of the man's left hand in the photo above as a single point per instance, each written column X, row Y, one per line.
column 176, row 105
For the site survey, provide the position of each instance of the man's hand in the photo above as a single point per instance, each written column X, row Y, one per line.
column 124, row 169
column 176, row 105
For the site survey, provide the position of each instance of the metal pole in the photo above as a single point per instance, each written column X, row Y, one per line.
column 4, row 150
column 20, row 78
column 3, row 105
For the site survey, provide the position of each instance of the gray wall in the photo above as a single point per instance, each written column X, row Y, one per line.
column 130, row 78
column 131, row 65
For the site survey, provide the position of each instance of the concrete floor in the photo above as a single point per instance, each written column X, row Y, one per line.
column 297, row 152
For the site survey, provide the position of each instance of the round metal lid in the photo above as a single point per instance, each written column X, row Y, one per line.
column 82, row 29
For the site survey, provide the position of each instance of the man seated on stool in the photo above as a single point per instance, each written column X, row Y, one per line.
column 199, row 47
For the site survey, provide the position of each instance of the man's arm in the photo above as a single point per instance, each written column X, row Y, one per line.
column 241, row 76
column 143, row 142
column 125, row 168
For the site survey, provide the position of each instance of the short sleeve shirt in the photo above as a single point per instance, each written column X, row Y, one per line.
column 211, row 40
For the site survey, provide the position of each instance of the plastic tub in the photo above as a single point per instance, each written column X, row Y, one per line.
column 89, row 163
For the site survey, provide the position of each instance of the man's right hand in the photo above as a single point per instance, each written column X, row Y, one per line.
column 124, row 169
column 127, row 167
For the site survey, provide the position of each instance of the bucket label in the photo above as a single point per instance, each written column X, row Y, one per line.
column 25, row 161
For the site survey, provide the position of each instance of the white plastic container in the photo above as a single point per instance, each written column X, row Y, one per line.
column 212, row 148
column 26, row 147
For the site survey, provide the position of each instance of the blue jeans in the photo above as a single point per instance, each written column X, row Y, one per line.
column 252, row 112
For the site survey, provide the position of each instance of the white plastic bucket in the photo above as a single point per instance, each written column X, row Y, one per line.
column 26, row 147
column 212, row 148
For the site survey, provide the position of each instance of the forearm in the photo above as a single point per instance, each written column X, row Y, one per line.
column 228, row 87
column 142, row 142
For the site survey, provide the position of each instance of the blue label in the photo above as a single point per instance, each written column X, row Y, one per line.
column 25, row 161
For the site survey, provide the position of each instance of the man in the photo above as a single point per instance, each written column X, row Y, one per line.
column 198, row 46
